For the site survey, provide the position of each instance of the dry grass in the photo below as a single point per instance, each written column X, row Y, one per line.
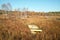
column 16, row 29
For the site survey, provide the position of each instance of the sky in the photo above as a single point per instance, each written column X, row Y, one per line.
column 34, row 5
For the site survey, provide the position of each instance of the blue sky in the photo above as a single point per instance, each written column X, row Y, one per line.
column 34, row 5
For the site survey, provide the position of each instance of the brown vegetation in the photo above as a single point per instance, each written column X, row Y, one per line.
column 12, row 27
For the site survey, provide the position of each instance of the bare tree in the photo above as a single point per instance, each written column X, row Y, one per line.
column 9, row 6
column 6, row 7
column 24, row 13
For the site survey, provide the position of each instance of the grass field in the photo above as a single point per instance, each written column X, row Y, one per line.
column 13, row 27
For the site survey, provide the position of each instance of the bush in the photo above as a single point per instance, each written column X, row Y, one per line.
column 1, row 13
